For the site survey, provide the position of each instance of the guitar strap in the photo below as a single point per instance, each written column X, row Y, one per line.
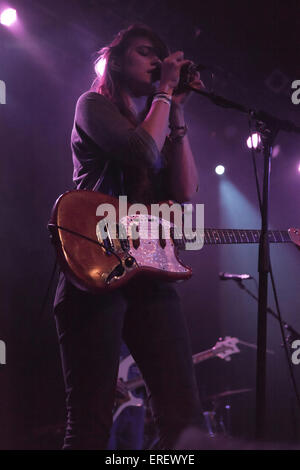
column 101, row 177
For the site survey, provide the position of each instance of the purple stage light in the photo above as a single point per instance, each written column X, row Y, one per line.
column 253, row 141
column 220, row 170
column 276, row 151
column 8, row 16
column 100, row 67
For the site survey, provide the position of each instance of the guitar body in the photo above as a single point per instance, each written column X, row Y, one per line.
column 97, row 255
column 90, row 266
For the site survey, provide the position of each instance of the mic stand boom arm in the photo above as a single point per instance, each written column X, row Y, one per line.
column 293, row 333
column 269, row 127
column 262, row 116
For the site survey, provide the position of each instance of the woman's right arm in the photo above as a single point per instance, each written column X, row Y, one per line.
column 156, row 122
column 100, row 121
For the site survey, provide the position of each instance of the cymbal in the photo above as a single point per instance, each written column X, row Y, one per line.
column 228, row 393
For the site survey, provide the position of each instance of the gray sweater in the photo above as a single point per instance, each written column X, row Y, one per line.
column 112, row 156
column 103, row 138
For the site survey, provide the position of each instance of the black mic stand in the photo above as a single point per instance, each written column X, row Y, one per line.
column 268, row 136
column 290, row 335
column 269, row 127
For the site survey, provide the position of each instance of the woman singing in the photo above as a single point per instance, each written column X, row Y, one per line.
column 129, row 138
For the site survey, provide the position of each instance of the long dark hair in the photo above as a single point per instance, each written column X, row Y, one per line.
column 109, row 84
column 138, row 182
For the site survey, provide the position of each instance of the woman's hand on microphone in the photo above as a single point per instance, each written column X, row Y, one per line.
column 170, row 71
column 181, row 99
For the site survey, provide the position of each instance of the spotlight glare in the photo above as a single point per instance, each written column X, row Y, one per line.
column 253, row 141
column 100, row 67
column 8, row 16
column 276, row 151
column 220, row 169
column 299, row 168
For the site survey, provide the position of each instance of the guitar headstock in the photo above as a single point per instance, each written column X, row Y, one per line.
column 224, row 348
column 294, row 234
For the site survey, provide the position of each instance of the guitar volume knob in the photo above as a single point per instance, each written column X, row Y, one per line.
column 129, row 261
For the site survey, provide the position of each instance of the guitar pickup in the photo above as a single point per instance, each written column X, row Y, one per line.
column 104, row 237
column 135, row 228
column 162, row 235
column 122, row 237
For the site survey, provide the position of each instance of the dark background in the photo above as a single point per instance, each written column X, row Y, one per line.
column 46, row 61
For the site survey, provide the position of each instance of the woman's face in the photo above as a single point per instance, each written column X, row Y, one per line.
column 139, row 62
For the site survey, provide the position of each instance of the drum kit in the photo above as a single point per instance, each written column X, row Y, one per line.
column 217, row 408
column 217, row 418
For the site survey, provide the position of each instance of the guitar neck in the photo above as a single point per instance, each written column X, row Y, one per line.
column 208, row 354
column 214, row 236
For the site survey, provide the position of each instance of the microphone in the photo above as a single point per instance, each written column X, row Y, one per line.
column 185, row 75
column 234, row 277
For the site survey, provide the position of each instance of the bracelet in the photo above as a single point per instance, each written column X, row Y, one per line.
column 165, row 93
column 162, row 98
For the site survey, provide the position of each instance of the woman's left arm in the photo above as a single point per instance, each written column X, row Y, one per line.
column 182, row 171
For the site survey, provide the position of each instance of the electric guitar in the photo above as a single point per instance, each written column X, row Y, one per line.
column 223, row 349
column 96, row 259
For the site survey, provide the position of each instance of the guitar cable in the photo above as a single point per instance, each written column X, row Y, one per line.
column 287, row 355
column 46, row 296
column 109, row 252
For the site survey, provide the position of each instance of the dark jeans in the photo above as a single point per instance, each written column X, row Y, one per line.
column 90, row 327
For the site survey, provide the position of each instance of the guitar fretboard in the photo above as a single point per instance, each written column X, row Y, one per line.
column 204, row 355
column 230, row 236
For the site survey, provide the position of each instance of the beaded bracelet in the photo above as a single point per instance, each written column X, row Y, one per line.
column 163, row 98
column 162, row 93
